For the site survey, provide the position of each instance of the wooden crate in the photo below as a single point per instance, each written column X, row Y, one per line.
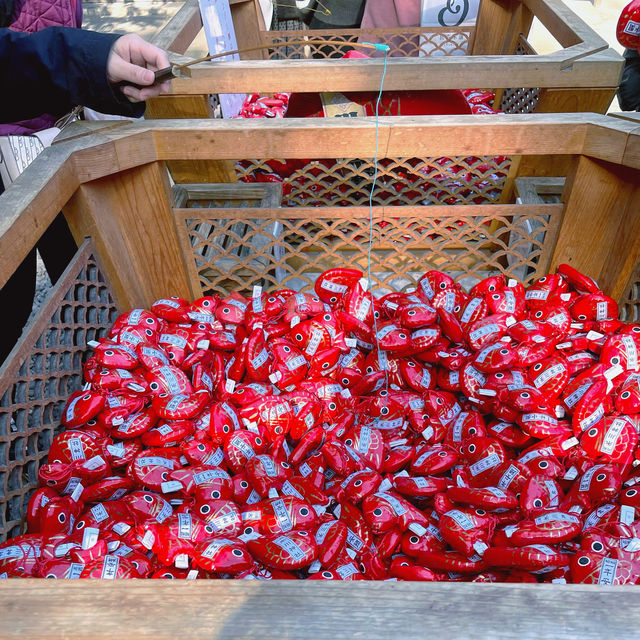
column 581, row 76
column 133, row 233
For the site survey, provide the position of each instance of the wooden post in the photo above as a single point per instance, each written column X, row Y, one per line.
column 574, row 100
column 129, row 217
column 498, row 26
column 249, row 25
column 195, row 106
column 600, row 233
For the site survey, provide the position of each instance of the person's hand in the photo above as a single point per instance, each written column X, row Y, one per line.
column 134, row 60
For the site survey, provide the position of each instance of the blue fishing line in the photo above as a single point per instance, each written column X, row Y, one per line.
column 385, row 48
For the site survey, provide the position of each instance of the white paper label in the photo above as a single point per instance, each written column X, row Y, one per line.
column 288, row 545
column 314, row 342
column 536, row 294
column 627, row 514
column 210, row 474
column 155, row 461
column 612, row 435
column 488, row 462
column 509, row 302
column 334, row 287
column 289, row 490
column 244, row 447
column 608, row 569
column 552, row 490
column 597, row 515
column 176, row 341
column 175, row 402
column 545, row 376
column 296, row 363
column 539, row 417
column 631, row 350
column 461, row 519
column 304, row 470
column 354, row 540
column 425, row 333
column 269, row 466
column 473, row 373
column 572, row 399
column 601, row 311
column 396, row 505
column 364, row 440
column 99, row 513
column 323, row 529
column 215, row 546
column 116, row 450
column 389, row 424
column 13, row 551
column 165, row 512
column 282, row 515
column 347, row 570
column 508, row 476
column 215, row 458
column 470, row 310
column 484, row 331
column 596, row 416
column 557, row 516
column 76, row 448
column 585, row 481
column 260, row 359
column 110, row 567
column 632, row 28
column 94, row 463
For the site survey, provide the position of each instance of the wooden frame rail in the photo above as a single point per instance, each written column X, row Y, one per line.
column 227, row 610
column 113, row 186
column 585, row 62
column 130, row 217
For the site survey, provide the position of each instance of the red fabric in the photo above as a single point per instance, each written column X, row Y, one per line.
column 395, row 103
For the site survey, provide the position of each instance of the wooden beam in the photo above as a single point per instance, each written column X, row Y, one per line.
column 196, row 106
column 228, row 609
column 131, row 223
column 564, row 25
column 423, row 136
column 31, row 203
column 495, row 17
column 267, row 76
column 181, row 30
column 248, row 25
column 378, row 213
column 600, row 232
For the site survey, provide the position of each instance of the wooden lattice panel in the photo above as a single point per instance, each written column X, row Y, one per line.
column 630, row 306
column 32, row 394
column 521, row 100
column 401, row 181
column 405, row 41
column 291, row 248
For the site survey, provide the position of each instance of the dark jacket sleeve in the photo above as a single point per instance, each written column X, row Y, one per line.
column 53, row 70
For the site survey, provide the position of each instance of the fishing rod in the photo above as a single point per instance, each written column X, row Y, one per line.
column 178, row 70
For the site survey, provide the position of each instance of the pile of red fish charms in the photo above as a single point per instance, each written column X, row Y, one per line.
column 427, row 435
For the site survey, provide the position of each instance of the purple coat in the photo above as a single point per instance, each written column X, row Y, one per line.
column 34, row 15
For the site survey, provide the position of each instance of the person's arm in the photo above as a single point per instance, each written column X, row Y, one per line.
column 55, row 69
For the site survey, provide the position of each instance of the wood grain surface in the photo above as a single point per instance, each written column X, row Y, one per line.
column 221, row 610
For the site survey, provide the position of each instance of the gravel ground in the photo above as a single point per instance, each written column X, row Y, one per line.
column 43, row 286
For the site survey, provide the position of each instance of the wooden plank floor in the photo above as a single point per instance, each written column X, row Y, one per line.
column 217, row 610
